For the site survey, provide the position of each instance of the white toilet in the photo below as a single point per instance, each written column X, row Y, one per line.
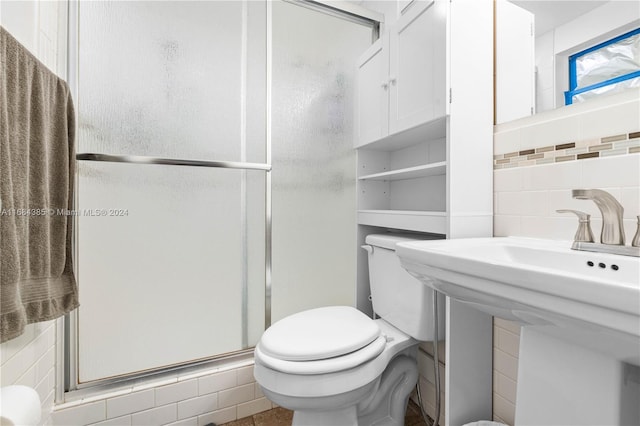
column 336, row 366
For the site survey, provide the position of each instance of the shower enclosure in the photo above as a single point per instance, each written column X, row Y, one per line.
column 216, row 179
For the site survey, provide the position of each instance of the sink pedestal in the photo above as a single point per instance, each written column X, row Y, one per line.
column 563, row 383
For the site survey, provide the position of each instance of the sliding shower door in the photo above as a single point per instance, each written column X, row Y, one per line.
column 314, row 201
column 171, row 259
column 174, row 261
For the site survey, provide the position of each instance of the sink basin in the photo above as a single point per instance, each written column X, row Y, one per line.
column 536, row 282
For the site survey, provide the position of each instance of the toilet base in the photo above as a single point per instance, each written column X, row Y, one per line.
column 389, row 403
column 381, row 402
column 338, row 409
column 345, row 417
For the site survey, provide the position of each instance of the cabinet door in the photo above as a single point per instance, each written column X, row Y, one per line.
column 515, row 67
column 417, row 66
column 372, row 111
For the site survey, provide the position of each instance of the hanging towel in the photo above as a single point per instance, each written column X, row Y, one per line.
column 37, row 129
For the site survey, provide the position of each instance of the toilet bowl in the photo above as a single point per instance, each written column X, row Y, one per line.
column 336, row 366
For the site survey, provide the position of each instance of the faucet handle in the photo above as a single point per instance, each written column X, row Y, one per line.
column 636, row 238
column 583, row 233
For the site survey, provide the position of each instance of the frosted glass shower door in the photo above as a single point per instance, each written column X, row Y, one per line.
column 314, row 199
column 171, row 259
column 161, row 265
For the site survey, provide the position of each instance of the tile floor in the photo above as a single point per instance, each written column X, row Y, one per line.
column 282, row 417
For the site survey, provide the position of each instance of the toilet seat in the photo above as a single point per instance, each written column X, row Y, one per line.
column 324, row 366
column 319, row 334
column 322, row 340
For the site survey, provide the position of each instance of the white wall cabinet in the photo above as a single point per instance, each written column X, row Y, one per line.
column 372, row 97
column 402, row 80
column 424, row 122
column 416, row 66
column 424, row 139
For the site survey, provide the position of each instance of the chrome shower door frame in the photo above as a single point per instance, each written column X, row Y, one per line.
column 68, row 387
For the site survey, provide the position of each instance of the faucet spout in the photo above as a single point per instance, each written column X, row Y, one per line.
column 612, row 211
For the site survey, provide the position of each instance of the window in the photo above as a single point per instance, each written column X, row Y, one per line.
column 608, row 67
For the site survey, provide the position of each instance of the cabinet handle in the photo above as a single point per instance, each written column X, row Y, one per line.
column 392, row 80
column 384, row 85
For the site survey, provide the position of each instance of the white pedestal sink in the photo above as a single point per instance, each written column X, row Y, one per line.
column 580, row 342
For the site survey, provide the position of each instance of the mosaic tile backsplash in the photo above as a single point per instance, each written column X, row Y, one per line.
column 627, row 143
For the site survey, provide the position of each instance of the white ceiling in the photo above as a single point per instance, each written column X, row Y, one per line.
column 552, row 13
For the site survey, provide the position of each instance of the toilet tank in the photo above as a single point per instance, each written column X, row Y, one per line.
column 398, row 297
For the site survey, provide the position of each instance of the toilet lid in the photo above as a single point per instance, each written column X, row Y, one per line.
column 319, row 334
column 323, row 366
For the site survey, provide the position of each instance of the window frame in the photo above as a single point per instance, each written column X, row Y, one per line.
column 573, row 81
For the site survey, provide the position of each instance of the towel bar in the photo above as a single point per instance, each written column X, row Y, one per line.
column 136, row 159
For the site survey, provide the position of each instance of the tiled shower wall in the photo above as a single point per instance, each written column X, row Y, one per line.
column 29, row 360
column 537, row 162
column 197, row 399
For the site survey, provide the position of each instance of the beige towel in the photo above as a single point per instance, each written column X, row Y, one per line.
column 37, row 129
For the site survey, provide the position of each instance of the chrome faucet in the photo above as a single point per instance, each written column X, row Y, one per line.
column 612, row 235
column 611, row 209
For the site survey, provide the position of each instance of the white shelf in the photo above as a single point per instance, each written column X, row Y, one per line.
column 425, row 170
column 420, row 221
column 434, row 129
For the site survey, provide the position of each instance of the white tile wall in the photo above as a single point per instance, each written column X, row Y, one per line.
column 428, row 392
column 82, row 414
column 197, row 406
column 503, row 385
column 156, row 416
column 118, row 421
column 427, row 381
column 176, row 392
column 526, row 199
column 127, row 404
column 245, row 375
column 252, row 407
column 193, row 421
column 29, row 360
column 221, row 416
column 21, row 20
column 503, row 410
column 217, row 396
column 506, row 341
column 530, row 211
column 217, row 382
column 237, row 395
